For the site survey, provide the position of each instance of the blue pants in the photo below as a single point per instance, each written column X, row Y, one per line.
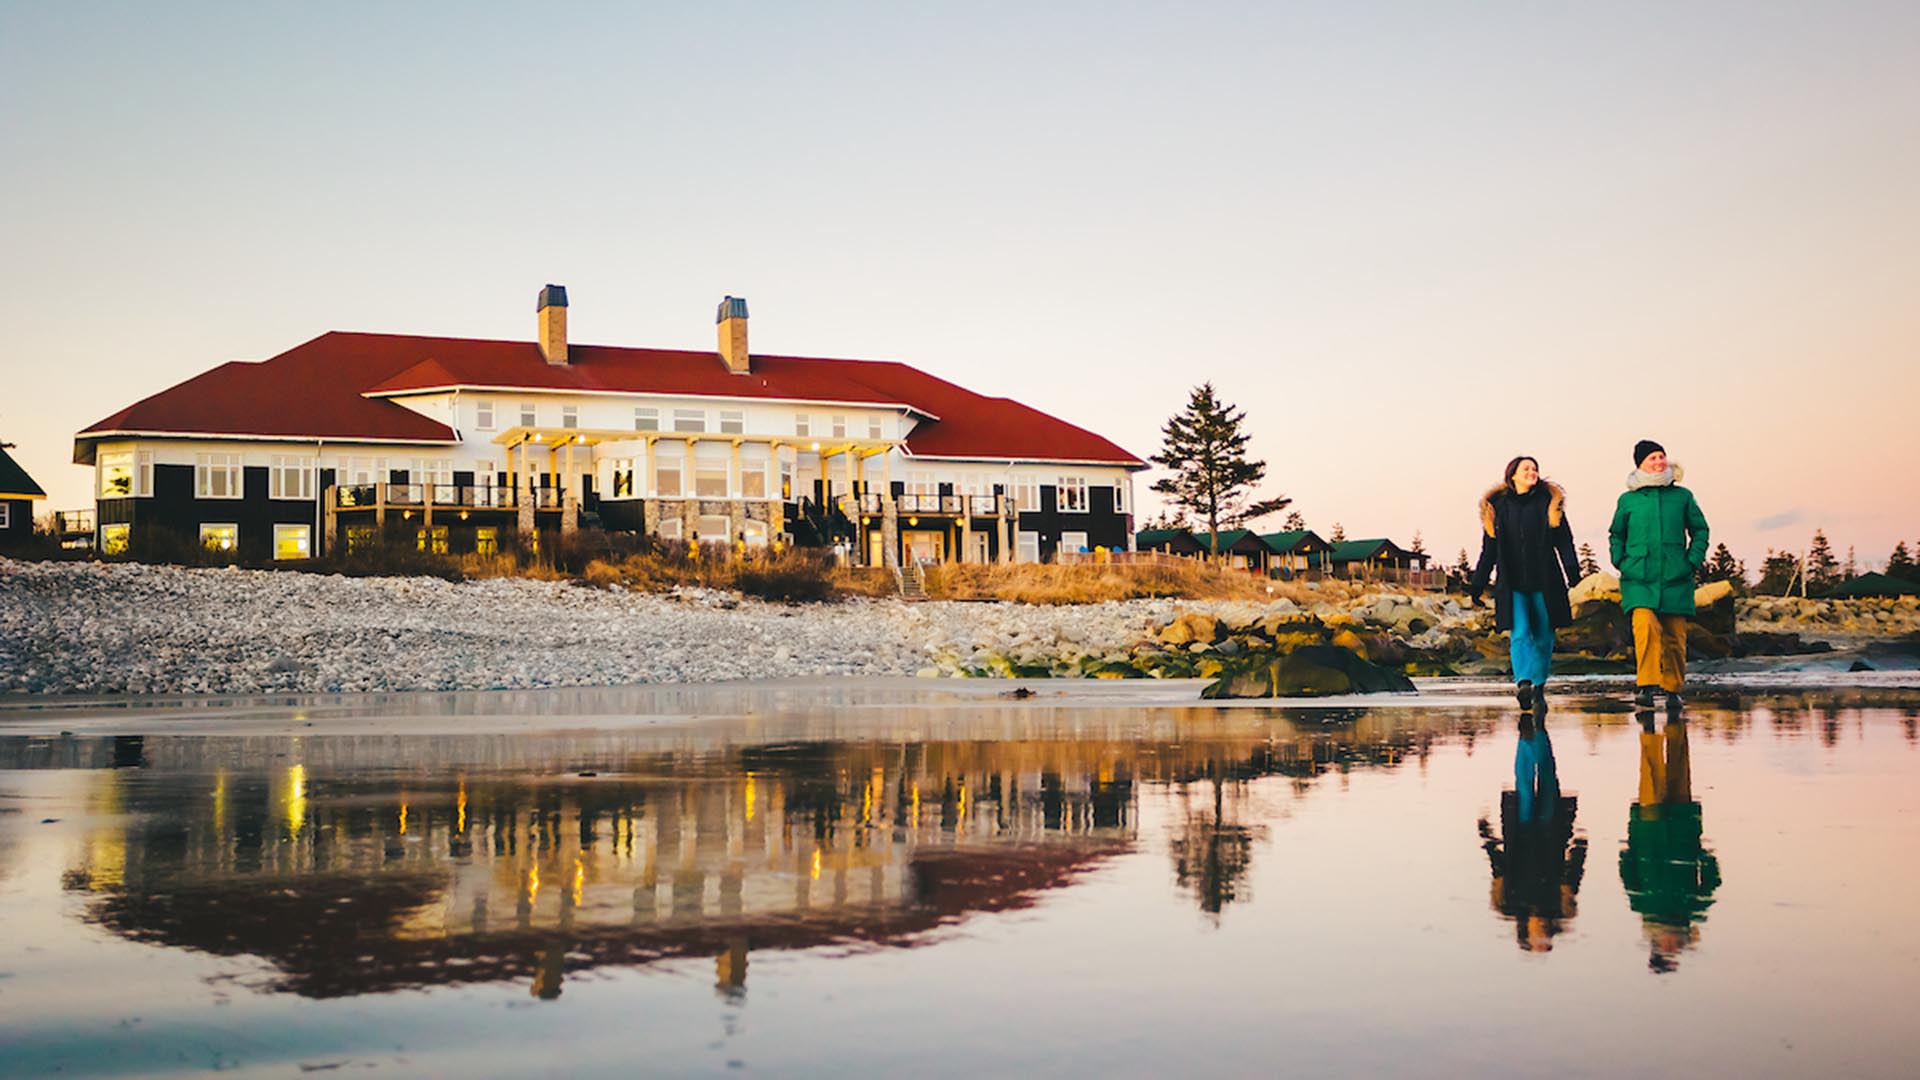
column 1532, row 642
column 1536, row 782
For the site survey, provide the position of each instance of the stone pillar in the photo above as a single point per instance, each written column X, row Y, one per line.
column 733, row 472
column 1003, row 531
column 890, row 528
column 777, row 508
column 523, row 491
column 570, row 499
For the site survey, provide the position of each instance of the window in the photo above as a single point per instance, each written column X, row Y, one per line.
column 116, row 474
column 1071, row 495
column 569, row 416
column 292, row 541
column 646, row 418
column 483, row 415
column 528, row 416
column 803, row 424
column 1120, row 495
column 712, row 529
column 6, row 515
column 432, row 471
column 921, row 482
column 839, row 427
column 668, row 463
column 433, row 540
column 710, row 466
column 1026, row 547
column 217, row 476
column 359, row 538
column 143, row 478
column 1026, row 493
column 753, row 472
column 484, row 474
column 786, row 476
column 486, row 540
column 754, row 533
column 689, row 420
column 222, row 538
column 361, row 471
column 733, row 422
column 622, row 486
column 873, row 427
column 114, row 538
column 1073, row 541
column 669, row 529
column 291, row 478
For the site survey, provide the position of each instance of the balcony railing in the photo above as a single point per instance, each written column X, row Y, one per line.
column 73, row 522
column 453, row 496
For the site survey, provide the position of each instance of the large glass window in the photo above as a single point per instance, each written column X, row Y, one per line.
column 116, row 474
column 732, row 422
column 689, row 420
column 291, row 478
column 753, row 472
column 292, row 541
column 220, row 537
column 1072, row 494
column 711, row 462
column 217, row 476
column 669, row 464
column 114, row 539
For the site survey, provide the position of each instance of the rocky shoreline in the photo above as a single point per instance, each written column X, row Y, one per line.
column 93, row 628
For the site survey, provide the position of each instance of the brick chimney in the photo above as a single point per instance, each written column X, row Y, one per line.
column 732, row 318
column 553, row 323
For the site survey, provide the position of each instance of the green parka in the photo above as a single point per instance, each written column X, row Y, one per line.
column 1659, row 538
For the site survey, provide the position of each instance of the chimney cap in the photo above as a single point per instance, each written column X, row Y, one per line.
column 732, row 307
column 552, row 296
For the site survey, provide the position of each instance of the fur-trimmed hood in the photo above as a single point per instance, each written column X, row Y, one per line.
column 1556, row 505
column 1637, row 479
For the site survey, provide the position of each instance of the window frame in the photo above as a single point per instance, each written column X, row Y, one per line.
column 283, row 465
column 683, row 417
column 6, row 514
column 232, row 465
column 115, row 462
column 281, row 528
column 1077, row 484
column 839, row 426
column 232, row 527
column 646, row 418
column 115, row 538
column 570, row 417
column 803, row 425
column 733, row 421
column 669, row 458
column 529, row 414
column 483, row 415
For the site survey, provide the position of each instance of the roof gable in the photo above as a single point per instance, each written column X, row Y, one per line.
column 14, row 481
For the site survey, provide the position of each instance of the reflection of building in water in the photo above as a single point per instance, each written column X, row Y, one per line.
column 1668, row 874
column 1537, row 860
column 363, row 864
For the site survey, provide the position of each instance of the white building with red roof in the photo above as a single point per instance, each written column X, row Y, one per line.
column 461, row 444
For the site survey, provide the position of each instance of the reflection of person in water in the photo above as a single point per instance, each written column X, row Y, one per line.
column 1669, row 876
column 1537, row 861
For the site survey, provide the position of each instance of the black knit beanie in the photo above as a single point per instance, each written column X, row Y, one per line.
column 1644, row 447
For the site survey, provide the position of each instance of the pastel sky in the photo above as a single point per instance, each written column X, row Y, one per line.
column 1411, row 240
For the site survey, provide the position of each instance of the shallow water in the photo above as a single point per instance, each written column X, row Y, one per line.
column 808, row 878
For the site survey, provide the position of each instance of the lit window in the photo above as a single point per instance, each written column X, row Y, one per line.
column 360, row 538
column 689, row 420
column 569, row 416
column 1072, row 495
column 528, row 416
column 622, row 486
column 221, row 538
column 786, row 476
column 873, row 427
column 646, row 419
column 668, row 462
column 434, row 539
column 733, row 422
column 114, row 538
column 754, row 533
column 486, row 540
column 217, row 476
column 839, row 427
column 291, row 478
column 753, row 472
column 483, row 415
column 710, row 466
column 803, row 424
column 292, row 541
column 116, row 474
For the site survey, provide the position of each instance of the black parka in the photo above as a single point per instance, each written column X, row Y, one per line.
column 1528, row 539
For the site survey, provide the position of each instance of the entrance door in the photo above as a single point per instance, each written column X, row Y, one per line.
column 977, row 552
column 876, row 548
column 925, row 546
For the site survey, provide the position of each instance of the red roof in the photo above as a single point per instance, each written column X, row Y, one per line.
column 336, row 387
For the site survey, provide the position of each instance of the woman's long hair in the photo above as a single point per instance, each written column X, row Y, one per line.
column 1514, row 467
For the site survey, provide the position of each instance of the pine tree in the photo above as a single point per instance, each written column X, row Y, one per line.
column 1419, row 545
column 1777, row 573
column 1460, row 575
column 1206, row 448
column 1823, row 570
column 1900, row 563
column 1589, row 565
column 1851, row 568
column 1338, row 534
column 1722, row 566
column 1294, row 522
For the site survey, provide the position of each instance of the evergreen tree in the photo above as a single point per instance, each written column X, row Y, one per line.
column 1338, row 534
column 1205, row 446
column 1823, row 570
column 1777, row 573
column 1294, row 522
column 1722, row 566
column 1460, row 575
column 1900, row 563
column 1589, row 565
column 1419, row 546
column 1851, row 568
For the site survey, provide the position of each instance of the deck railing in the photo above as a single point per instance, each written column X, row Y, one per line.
column 72, row 522
column 453, row 496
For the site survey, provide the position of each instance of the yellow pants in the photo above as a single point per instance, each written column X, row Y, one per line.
column 1659, row 649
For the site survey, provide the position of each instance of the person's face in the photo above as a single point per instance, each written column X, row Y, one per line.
column 1527, row 475
column 1656, row 463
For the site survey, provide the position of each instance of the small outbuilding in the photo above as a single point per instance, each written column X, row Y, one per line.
column 1873, row 586
column 17, row 495
column 1169, row 541
column 1293, row 551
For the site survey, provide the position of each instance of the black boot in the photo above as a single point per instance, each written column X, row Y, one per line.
column 1540, row 704
column 1524, row 693
column 1643, row 697
column 1675, row 703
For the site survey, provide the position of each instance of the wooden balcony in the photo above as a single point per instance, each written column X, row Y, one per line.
column 350, row 497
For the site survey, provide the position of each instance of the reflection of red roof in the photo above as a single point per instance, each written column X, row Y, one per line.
column 335, row 387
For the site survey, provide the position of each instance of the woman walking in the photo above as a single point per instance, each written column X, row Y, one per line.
column 1659, row 541
column 1526, row 537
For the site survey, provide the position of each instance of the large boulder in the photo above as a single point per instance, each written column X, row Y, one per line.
column 1598, row 587
column 1191, row 627
column 1311, row 671
column 1714, row 607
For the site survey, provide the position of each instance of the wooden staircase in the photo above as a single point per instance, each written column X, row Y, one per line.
column 913, row 581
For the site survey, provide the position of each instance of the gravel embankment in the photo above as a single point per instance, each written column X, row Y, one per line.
column 95, row 628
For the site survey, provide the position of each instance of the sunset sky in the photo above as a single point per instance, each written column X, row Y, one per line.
column 1411, row 240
